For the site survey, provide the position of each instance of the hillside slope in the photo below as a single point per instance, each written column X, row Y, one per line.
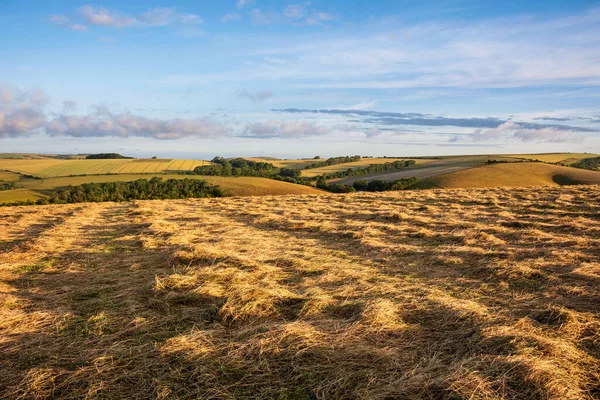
column 33, row 189
column 513, row 175
column 453, row 294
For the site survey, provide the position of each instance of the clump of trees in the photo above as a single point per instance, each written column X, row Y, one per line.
column 7, row 185
column 106, row 156
column 141, row 189
column 236, row 167
column 242, row 167
column 384, row 186
column 332, row 161
column 364, row 186
column 592, row 163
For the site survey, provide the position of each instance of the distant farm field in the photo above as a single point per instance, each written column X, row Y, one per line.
column 365, row 162
column 425, row 169
column 564, row 158
column 48, row 168
column 513, row 175
column 431, row 294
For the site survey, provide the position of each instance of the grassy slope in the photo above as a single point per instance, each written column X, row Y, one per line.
column 465, row 294
column 513, row 175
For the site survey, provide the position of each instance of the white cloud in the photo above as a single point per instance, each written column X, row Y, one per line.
column 21, row 110
column 100, row 16
column 512, row 130
column 103, row 17
column 231, row 17
column 126, row 125
column 283, row 129
column 20, row 121
column 254, row 96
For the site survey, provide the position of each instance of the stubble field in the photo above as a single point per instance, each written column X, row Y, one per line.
column 454, row 294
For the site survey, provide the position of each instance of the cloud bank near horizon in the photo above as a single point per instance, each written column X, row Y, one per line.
column 23, row 113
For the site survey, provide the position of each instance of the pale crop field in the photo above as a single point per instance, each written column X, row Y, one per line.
column 49, row 168
column 432, row 294
column 565, row 158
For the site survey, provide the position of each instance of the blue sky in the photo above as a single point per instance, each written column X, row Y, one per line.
column 295, row 79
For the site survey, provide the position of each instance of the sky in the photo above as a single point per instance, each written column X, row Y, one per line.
column 287, row 79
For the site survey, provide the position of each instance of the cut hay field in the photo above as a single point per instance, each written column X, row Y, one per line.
column 49, row 168
column 453, row 294
column 513, row 175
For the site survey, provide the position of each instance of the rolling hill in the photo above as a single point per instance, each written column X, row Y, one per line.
column 512, row 175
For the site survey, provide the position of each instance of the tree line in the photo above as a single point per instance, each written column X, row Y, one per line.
column 106, row 156
column 241, row 167
column 364, row 186
column 370, row 169
column 333, row 161
column 141, row 189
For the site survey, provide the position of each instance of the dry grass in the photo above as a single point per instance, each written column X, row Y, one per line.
column 455, row 294
column 513, row 175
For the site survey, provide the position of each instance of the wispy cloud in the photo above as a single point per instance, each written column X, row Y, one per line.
column 89, row 15
column 242, row 3
column 297, row 14
column 254, row 96
column 419, row 119
column 512, row 130
column 231, row 17
column 63, row 20
column 503, row 53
